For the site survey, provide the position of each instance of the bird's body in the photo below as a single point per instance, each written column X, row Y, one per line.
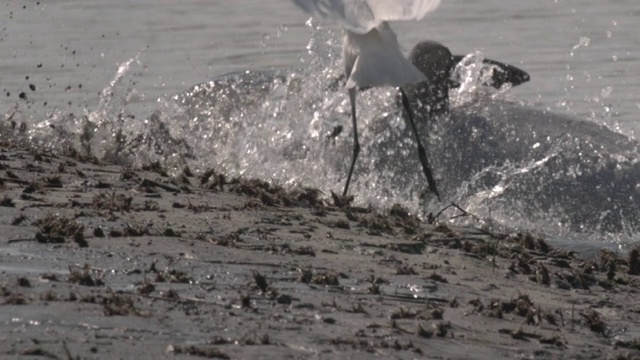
column 374, row 59
column 371, row 52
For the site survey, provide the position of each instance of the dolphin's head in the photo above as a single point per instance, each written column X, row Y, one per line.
column 435, row 61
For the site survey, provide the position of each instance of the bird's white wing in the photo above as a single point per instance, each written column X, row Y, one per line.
column 360, row 16
column 392, row 10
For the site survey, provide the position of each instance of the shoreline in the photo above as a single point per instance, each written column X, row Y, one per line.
column 103, row 261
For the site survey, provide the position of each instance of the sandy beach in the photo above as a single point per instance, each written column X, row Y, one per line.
column 103, row 261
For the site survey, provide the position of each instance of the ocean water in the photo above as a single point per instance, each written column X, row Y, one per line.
column 113, row 64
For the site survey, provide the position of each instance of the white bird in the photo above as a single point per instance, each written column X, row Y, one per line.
column 372, row 54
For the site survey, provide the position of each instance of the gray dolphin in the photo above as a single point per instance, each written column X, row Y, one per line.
column 533, row 163
column 538, row 161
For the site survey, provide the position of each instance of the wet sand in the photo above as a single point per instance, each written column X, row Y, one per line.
column 104, row 261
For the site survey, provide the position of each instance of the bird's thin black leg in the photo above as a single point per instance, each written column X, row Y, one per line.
column 356, row 144
column 422, row 154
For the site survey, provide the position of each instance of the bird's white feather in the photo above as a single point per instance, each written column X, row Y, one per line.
column 374, row 59
column 361, row 16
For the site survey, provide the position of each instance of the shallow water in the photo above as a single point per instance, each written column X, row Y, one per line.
column 113, row 60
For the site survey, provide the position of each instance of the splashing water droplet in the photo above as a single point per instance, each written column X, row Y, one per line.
column 606, row 92
column 583, row 42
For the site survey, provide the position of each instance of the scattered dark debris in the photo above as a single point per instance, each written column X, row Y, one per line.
column 454, row 303
column 342, row 224
column 173, row 276
column 415, row 248
column 543, row 246
column 15, row 299
column 405, row 270
column 49, row 296
column 54, row 229
column 169, row 232
column 157, row 168
column 437, row 313
column 149, row 186
column 374, row 289
column 229, row 240
column 524, row 305
column 245, row 301
column 146, row 287
column 477, row 305
column 341, row 201
column 523, row 265
column 629, row 344
column 519, row 334
column 309, row 197
column 177, row 205
column 264, row 193
column 213, row 181
column 7, row 202
column 284, row 299
column 323, row 278
column 115, row 233
column 18, row 219
column 526, row 240
column 112, row 202
column 376, row 224
column 82, row 276
column 49, row 277
column 370, row 347
column 103, row 185
column 23, row 282
column 437, row 278
column 442, row 328
column 425, row 333
column 261, row 281
column 444, row 229
column 253, row 187
column 402, row 218
column 542, row 274
column 10, row 174
column 357, row 308
column 34, row 187
column 135, row 231
column 254, row 339
column 578, row 279
column 426, row 313
column 98, row 232
column 119, row 305
column 304, row 251
column 170, row 294
column 550, row 318
column 34, row 168
column 53, row 181
column 39, row 352
column 129, row 174
column 495, row 309
column 533, row 316
column 208, row 352
column 594, row 322
column 403, row 313
column 608, row 263
column 329, row 320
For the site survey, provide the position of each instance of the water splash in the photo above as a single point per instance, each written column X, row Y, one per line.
column 293, row 127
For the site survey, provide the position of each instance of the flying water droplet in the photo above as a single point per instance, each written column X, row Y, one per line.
column 606, row 92
column 583, row 42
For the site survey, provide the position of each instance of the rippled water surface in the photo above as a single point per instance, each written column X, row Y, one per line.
column 118, row 62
